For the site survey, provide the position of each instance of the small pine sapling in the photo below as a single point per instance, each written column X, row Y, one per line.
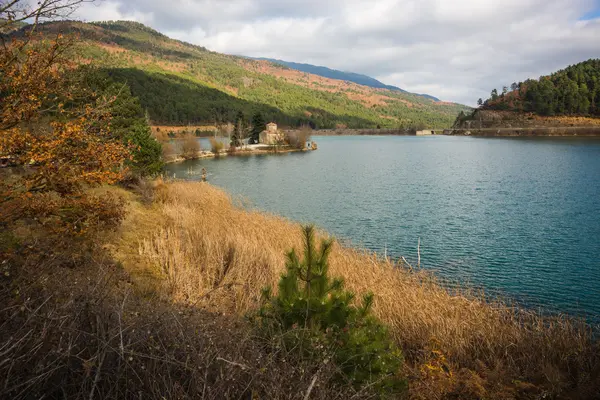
column 317, row 316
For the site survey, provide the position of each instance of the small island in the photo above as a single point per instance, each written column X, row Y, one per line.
column 183, row 143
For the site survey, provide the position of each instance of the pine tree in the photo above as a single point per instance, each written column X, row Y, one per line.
column 311, row 308
column 494, row 95
column 572, row 91
column 129, row 122
column 146, row 151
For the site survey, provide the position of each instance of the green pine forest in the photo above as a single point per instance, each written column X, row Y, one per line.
column 574, row 90
column 178, row 83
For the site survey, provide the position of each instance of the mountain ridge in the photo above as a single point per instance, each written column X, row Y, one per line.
column 327, row 72
column 182, row 83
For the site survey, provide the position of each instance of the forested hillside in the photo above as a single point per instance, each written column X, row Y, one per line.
column 342, row 75
column 179, row 83
column 574, row 90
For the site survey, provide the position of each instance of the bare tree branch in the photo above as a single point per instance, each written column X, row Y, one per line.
column 13, row 12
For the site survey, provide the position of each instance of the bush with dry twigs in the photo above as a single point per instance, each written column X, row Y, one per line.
column 298, row 138
column 216, row 146
column 169, row 153
column 190, row 147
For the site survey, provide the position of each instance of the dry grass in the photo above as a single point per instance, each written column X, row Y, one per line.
column 97, row 329
column 154, row 312
column 161, row 135
column 83, row 333
column 219, row 256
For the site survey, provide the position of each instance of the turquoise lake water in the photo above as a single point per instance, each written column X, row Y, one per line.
column 516, row 217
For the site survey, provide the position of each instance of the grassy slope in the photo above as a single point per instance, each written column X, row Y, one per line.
column 97, row 328
column 201, row 250
column 156, row 310
column 297, row 94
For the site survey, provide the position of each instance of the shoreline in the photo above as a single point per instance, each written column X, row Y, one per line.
column 219, row 172
column 557, row 131
column 239, row 153
column 505, row 131
column 509, row 123
column 187, row 255
column 462, row 324
column 548, row 131
column 565, row 131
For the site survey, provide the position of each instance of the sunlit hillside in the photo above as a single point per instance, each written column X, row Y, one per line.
column 179, row 83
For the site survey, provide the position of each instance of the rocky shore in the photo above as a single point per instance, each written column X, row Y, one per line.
column 528, row 132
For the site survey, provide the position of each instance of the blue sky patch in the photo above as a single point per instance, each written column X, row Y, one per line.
column 595, row 13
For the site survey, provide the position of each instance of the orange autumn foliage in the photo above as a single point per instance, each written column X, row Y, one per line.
column 57, row 137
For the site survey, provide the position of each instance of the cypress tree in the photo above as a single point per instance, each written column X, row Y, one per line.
column 239, row 130
column 258, row 125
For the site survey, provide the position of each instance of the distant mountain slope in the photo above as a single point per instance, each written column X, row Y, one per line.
column 341, row 75
column 179, row 83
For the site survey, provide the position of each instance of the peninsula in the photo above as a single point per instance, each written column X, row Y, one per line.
column 565, row 103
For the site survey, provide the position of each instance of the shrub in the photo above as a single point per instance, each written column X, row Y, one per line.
column 216, row 146
column 168, row 152
column 190, row 147
column 315, row 315
column 299, row 138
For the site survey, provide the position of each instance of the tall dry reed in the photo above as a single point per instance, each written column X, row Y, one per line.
column 217, row 254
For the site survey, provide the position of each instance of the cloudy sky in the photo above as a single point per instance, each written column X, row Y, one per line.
column 457, row 50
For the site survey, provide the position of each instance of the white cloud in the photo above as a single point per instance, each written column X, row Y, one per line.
column 112, row 10
column 454, row 49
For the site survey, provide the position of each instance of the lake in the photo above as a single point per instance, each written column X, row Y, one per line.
column 517, row 217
